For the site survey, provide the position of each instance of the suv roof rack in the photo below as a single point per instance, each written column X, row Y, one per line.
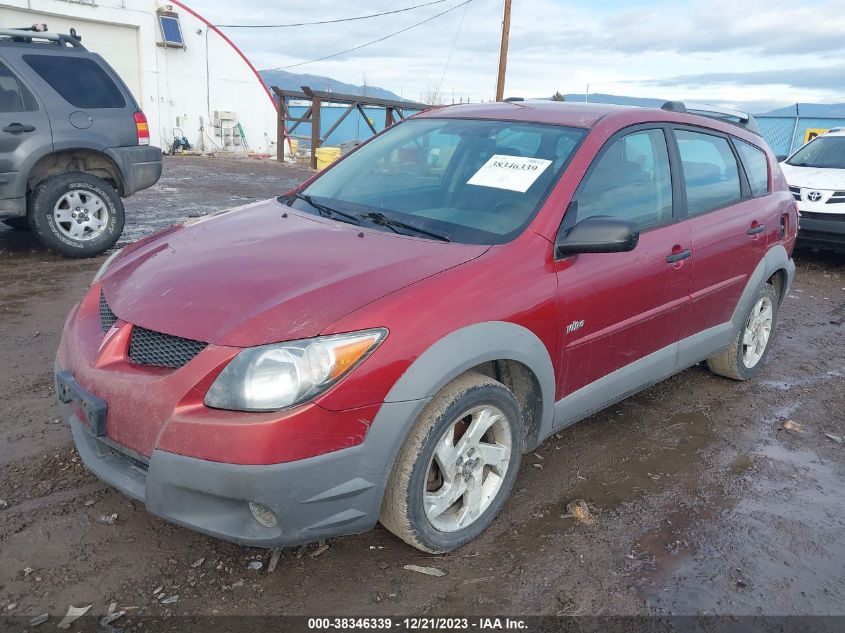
column 728, row 115
column 39, row 32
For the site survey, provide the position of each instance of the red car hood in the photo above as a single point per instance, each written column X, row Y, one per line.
column 251, row 276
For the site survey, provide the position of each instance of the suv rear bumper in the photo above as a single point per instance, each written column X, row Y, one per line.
column 140, row 166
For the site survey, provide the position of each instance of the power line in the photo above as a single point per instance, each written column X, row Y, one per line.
column 360, row 17
column 381, row 39
column 452, row 50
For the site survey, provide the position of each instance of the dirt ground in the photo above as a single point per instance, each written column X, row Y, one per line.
column 703, row 504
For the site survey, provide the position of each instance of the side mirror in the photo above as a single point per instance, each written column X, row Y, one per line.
column 599, row 234
column 781, row 157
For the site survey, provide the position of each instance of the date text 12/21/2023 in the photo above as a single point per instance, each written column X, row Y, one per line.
column 418, row 624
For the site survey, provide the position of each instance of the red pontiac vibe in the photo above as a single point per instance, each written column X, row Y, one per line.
column 385, row 342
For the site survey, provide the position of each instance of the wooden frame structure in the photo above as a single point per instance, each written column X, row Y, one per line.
column 393, row 111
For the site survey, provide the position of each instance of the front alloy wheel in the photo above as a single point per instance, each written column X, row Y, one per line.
column 469, row 465
column 457, row 465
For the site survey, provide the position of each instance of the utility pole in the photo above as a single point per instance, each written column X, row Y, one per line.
column 503, row 52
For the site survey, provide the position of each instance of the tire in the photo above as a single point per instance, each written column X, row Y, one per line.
column 52, row 216
column 417, row 473
column 745, row 356
column 18, row 224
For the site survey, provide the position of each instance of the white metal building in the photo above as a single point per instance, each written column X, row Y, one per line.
column 185, row 74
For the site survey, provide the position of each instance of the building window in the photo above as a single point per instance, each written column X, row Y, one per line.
column 171, row 31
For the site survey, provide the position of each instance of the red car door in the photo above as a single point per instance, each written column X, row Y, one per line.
column 727, row 226
column 620, row 307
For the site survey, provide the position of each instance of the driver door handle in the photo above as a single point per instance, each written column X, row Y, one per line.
column 680, row 255
column 756, row 228
column 17, row 128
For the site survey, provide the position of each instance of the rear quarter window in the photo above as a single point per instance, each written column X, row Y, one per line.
column 756, row 167
column 80, row 81
column 711, row 173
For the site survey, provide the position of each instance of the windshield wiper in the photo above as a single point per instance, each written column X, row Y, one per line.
column 382, row 220
column 325, row 211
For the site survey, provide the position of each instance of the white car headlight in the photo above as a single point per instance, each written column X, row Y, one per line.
column 276, row 376
column 105, row 266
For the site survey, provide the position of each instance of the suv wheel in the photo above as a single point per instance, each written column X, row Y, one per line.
column 743, row 359
column 76, row 214
column 18, row 224
column 456, row 467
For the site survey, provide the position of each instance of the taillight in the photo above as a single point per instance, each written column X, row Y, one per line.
column 143, row 128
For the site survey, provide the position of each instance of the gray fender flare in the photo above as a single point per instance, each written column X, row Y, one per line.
column 472, row 345
column 776, row 259
column 705, row 344
column 441, row 363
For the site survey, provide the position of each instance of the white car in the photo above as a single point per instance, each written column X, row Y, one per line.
column 816, row 177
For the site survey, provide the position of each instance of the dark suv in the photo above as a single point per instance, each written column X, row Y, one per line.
column 73, row 141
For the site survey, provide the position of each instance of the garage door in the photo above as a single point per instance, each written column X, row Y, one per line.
column 117, row 43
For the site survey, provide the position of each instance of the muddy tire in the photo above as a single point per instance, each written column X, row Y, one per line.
column 18, row 224
column 76, row 214
column 456, row 467
column 750, row 346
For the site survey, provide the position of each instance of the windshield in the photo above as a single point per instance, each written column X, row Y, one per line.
column 823, row 151
column 468, row 181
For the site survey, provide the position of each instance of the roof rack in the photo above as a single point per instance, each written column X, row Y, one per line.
column 39, row 32
column 728, row 115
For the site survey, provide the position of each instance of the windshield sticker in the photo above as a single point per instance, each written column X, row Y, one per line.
column 515, row 173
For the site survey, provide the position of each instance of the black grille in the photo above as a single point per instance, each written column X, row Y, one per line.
column 831, row 217
column 147, row 347
column 107, row 317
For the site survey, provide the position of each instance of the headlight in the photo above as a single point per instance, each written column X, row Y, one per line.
column 102, row 270
column 272, row 377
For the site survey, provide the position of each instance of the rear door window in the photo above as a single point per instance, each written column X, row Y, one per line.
column 14, row 96
column 711, row 174
column 631, row 181
column 756, row 167
column 81, row 81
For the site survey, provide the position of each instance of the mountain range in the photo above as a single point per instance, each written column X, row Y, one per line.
column 295, row 81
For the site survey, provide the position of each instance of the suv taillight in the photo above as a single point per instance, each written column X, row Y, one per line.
column 143, row 128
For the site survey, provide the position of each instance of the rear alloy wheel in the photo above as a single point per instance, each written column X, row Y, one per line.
column 758, row 329
column 746, row 353
column 76, row 214
column 456, row 467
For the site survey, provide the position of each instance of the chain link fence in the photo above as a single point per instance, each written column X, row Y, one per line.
column 785, row 134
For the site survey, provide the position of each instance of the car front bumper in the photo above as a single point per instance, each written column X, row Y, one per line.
column 821, row 229
column 319, row 497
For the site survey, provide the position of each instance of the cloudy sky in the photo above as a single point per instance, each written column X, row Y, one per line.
column 756, row 54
